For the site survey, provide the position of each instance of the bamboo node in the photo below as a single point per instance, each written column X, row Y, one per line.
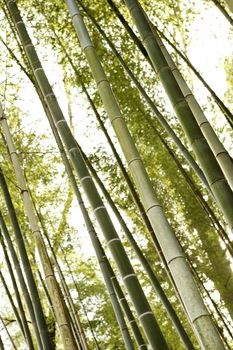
column 145, row 314
column 129, row 276
column 111, row 240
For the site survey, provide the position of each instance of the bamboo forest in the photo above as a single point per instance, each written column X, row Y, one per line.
column 116, row 175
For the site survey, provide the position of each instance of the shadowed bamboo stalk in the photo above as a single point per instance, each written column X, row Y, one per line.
column 26, row 329
column 66, row 291
column 52, row 285
column 103, row 258
column 79, row 298
column 138, row 43
column 209, row 165
column 8, row 333
column 14, row 308
column 40, row 318
column 147, row 268
column 223, row 234
column 197, row 193
column 136, row 293
column 220, row 153
column 21, row 279
column 206, row 332
column 135, row 329
column 225, row 110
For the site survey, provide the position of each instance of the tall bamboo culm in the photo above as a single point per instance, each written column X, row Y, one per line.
column 52, row 285
column 40, row 318
column 220, row 153
column 207, row 160
column 71, row 177
column 26, row 294
column 201, row 321
column 27, row 333
column 141, row 304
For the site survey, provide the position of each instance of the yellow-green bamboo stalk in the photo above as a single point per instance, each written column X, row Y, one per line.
column 52, row 285
column 220, row 153
column 199, row 317
column 130, row 279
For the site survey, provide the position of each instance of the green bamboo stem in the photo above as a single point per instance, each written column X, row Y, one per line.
column 28, row 272
column 14, row 308
column 138, row 43
column 73, row 182
column 191, row 184
column 225, row 110
column 147, row 268
column 21, row 280
column 26, row 329
column 197, row 193
column 8, row 333
column 220, row 153
column 27, row 268
column 209, row 165
column 208, row 336
column 107, row 267
column 213, row 174
column 66, row 291
column 80, row 300
column 71, row 177
column 130, row 279
column 69, row 172
column 148, row 100
column 223, row 10
column 53, row 287
column 124, row 304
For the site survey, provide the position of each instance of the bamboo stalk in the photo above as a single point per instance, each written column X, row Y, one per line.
column 143, row 93
column 197, row 312
column 130, row 279
column 21, row 280
column 225, row 110
column 120, row 295
column 26, row 329
column 53, row 287
column 220, row 153
column 214, row 175
column 60, row 146
column 14, row 308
